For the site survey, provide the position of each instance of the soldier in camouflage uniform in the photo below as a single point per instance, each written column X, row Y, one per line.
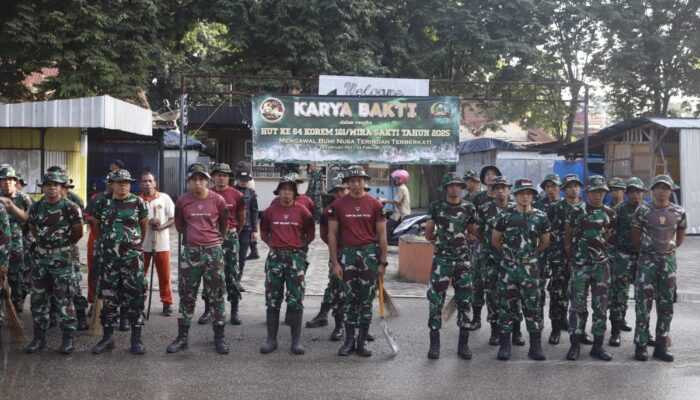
column 56, row 223
column 617, row 188
column 450, row 223
column 315, row 189
column 624, row 258
column 491, row 259
column 521, row 233
column 79, row 301
column 658, row 229
column 5, row 243
column 121, row 220
column 17, row 205
column 588, row 230
column 551, row 186
column 473, row 185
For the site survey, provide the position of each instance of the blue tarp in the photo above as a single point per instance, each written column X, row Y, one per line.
column 485, row 144
column 171, row 141
column 566, row 167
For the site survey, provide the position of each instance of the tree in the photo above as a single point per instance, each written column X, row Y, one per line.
column 20, row 33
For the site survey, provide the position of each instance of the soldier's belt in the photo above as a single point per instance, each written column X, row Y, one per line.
column 44, row 250
column 206, row 247
column 361, row 247
column 525, row 260
column 286, row 252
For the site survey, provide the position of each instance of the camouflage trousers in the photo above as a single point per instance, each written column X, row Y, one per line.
column 231, row 248
column 121, row 284
column 202, row 263
column 558, row 286
column 360, row 264
column 656, row 279
column 443, row 270
column 285, row 268
column 597, row 277
column 545, row 264
column 333, row 294
column 623, row 268
column 52, row 282
column 491, row 263
column 477, row 260
column 27, row 243
column 79, row 300
column 518, row 286
column 16, row 271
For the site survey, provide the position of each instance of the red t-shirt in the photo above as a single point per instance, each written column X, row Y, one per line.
column 302, row 199
column 287, row 225
column 200, row 218
column 234, row 200
column 357, row 218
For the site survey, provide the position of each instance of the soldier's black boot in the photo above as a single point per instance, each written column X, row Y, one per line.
column 107, row 342
column 349, row 345
column 123, row 320
column 575, row 348
column 235, row 319
column 254, row 255
column 651, row 342
column 434, row 350
column 535, row 351
column 137, row 346
column 82, row 320
column 362, row 348
column 38, row 342
column 295, row 319
column 564, row 324
column 287, row 321
column 504, row 350
column 273, row 322
column 640, row 353
column 321, row 319
column 517, row 334
column 615, row 334
column 476, row 320
column 463, row 344
column 624, row 327
column 555, row 336
column 337, row 333
column 219, row 343
column 67, row 342
column 661, row 350
column 206, row 317
column 495, row 330
column 180, row 342
column 598, row 351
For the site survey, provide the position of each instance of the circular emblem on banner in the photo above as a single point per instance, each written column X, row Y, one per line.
column 439, row 110
column 272, row 110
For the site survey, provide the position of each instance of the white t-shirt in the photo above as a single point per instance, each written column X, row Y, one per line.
column 163, row 208
column 402, row 203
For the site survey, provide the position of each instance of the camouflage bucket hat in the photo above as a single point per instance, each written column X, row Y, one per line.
column 523, row 185
column 21, row 180
column 8, row 173
column 617, row 183
column 356, row 171
column 471, row 174
column 53, row 177
column 337, row 183
column 197, row 168
column 635, row 183
column 120, row 175
column 221, row 167
column 452, row 178
column 596, row 182
column 571, row 178
column 501, row 180
column 287, row 179
column 666, row 179
column 554, row 178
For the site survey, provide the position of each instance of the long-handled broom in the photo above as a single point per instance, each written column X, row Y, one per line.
column 95, row 325
column 14, row 322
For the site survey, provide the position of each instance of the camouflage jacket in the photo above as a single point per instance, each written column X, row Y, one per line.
column 119, row 221
column 521, row 232
column 72, row 196
column 590, row 226
column 315, row 185
column 53, row 222
column 623, row 228
column 480, row 198
column 470, row 197
column 486, row 220
column 659, row 227
column 24, row 203
column 5, row 236
column 544, row 204
column 451, row 223
column 557, row 215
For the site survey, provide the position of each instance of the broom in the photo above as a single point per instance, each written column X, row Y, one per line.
column 95, row 325
column 389, row 304
column 13, row 319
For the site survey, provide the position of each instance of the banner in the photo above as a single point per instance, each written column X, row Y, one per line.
column 339, row 85
column 340, row 129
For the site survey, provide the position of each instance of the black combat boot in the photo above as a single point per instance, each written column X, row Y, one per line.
column 575, row 348
column 254, row 255
column 349, row 345
column 107, row 342
column 82, row 319
column 517, row 334
column 137, row 346
column 39, row 340
column 476, row 320
column 124, row 324
column 564, row 324
column 434, row 350
column 295, row 318
column 337, row 333
column 624, row 327
column 273, row 322
column 615, row 334
column 535, row 351
column 67, row 342
column 650, row 342
column 235, row 319
column 555, row 336
column 362, row 348
column 640, row 353
column 504, row 350
column 206, row 317
column 321, row 319
column 463, row 344
column 287, row 321
column 661, row 350
column 598, row 351
column 180, row 342
column 219, row 343
column 495, row 330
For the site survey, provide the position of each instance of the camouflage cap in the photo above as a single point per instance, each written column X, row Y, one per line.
column 471, row 174
column 554, row 178
column 666, row 179
column 289, row 178
column 120, row 175
column 617, row 183
column 569, row 179
column 356, row 171
column 452, row 178
column 69, row 182
column 596, row 182
column 523, row 185
column 221, row 167
column 8, row 173
column 21, row 180
column 501, row 180
column 53, row 177
column 197, row 168
column 635, row 183
column 337, row 183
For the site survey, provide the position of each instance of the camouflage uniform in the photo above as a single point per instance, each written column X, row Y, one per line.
column 231, row 248
column 5, row 242
column 285, row 267
column 202, row 263
column 315, row 191
column 478, row 302
column 28, row 241
column 624, row 261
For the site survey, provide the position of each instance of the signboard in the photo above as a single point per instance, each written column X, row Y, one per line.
column 364, row 86
column 342, row 129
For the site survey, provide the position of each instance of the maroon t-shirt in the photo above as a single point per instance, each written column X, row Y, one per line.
column 200, row 218
column 287, row 225
column 302, row 199
column 234, row 201
column 357, row 218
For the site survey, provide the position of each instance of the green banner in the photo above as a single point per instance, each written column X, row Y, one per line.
column 344, row 129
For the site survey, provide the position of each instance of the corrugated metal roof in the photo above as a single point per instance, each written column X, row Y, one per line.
column 676, row 122
column 88, row 112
